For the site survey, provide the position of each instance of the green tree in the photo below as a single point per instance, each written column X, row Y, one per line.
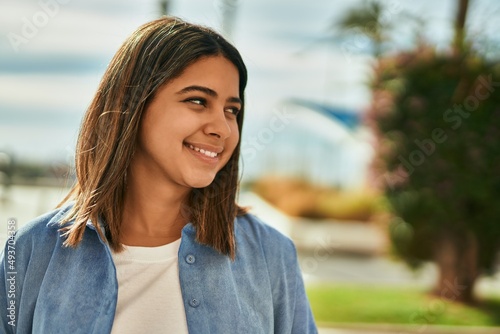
column 438, row 120
column 437, row 117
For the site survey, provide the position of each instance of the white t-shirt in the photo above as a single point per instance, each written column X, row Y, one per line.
column 149, row 292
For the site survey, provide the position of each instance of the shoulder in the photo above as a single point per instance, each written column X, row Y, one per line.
column 33, row 246
column 42, row 228
column 251, row 225
column 275, row 246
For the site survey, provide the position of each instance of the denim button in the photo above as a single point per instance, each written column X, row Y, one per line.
column 190, row 259
column 194, row 302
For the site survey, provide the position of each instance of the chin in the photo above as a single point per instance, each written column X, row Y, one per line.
column 201, row 182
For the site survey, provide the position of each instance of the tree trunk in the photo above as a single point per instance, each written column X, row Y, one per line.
column 459, row 39
column 456, row 256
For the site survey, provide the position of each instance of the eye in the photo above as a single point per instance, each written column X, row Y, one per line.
column 233, row 110
column 197, row 100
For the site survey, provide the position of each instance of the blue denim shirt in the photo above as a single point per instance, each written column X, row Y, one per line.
column 57, row 289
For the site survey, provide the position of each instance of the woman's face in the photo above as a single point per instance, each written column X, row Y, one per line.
column 189, row 130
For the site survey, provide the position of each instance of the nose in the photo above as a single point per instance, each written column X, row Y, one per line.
column 218, row 125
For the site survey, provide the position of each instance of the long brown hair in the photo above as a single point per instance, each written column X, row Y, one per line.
column 156, row 53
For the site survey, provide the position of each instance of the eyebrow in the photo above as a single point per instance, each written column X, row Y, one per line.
column 207, row 91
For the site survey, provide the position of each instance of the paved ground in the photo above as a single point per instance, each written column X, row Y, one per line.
column 343, row 252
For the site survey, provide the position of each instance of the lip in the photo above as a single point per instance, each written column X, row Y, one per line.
column 204, row 158
column 206, row 147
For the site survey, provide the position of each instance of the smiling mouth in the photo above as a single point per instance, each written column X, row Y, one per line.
column 202, row 151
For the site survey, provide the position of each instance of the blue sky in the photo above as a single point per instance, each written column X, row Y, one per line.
column 48, row 79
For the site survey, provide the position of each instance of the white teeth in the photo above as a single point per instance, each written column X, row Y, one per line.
column 207, row 153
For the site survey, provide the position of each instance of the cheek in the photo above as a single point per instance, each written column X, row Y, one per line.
column 232, row 142
column 235, row 135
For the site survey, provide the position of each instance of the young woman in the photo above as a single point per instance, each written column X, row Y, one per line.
column 150, row 239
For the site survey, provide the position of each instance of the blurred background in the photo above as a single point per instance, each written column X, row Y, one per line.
column 371, row 139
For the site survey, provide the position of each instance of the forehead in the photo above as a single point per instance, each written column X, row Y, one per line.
column 215, row 72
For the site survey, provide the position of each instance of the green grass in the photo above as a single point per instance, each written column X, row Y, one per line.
column 343, row 303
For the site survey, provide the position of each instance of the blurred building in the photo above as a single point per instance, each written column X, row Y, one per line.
column 323, row 144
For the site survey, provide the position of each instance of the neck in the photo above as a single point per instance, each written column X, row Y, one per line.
column 152, row 214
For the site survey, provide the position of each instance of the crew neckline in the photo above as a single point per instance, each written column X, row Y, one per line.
column 149, row 254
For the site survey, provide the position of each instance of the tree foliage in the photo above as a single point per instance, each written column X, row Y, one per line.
column 438, row 120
